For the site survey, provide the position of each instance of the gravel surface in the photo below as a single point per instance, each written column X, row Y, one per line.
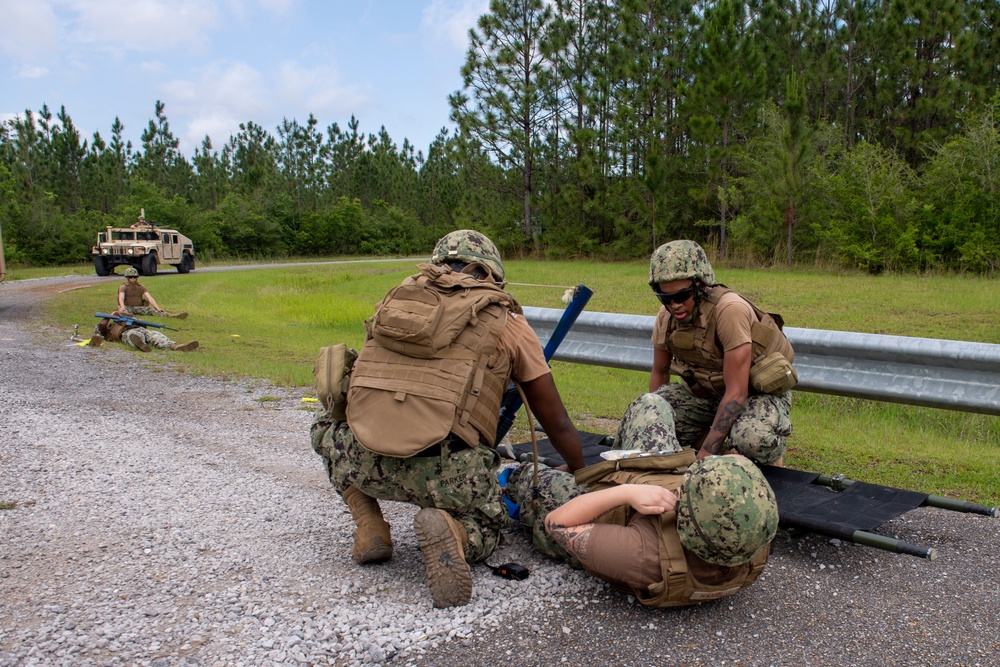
column 164, row 519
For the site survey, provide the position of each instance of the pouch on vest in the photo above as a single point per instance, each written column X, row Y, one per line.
column 332, row 372
column 773, row 374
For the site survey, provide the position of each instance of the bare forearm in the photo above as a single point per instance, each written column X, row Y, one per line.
column 587, row 507
column 729, row 410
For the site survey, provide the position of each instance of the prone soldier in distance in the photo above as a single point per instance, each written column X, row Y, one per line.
column 119, row 328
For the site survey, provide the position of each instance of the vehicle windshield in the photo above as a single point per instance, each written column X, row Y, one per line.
column 123, row 236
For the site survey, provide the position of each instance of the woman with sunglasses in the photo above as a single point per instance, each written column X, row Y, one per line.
column 734, row 362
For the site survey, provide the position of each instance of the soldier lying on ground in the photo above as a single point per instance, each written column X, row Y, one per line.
column 135, row 336
column 687, row 532
column 132, row 297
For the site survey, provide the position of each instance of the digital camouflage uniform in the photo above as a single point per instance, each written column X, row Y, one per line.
column 759, row 433
column 448, row 476
column 147, row 336
column 144, row 310
column 463, row 483
column 761, row 430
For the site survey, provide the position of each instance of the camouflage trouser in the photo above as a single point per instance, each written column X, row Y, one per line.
column 555, row 488
column 144, row 310
column 648, row 424
column 462, row 483
column 148, row 336
column 759, row 433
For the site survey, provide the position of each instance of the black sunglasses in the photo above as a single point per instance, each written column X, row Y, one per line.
column 680, row 296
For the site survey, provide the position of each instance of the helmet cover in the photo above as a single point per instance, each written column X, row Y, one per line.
column 470, row 246
column 680, row 260
column 726, row 511
column 130, row 272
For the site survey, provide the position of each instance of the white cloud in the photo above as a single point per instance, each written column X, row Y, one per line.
column 28, row 29
column 142, row 25
column 449, row 22
column 227, row 94
column 319, row 91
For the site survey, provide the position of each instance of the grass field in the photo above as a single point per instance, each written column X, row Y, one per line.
column 270, row 323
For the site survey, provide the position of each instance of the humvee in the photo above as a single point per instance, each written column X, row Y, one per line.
column 142, row 245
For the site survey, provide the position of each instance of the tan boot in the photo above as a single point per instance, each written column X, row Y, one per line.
column 180, row 316
column 442, row 541
column 96, row 340
column 780, row 463
column 185, row 347
column 136, row 340
column 372, row 542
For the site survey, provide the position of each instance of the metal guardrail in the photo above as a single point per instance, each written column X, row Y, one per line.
column 948, row 374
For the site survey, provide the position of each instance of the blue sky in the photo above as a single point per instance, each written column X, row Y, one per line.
column 217, row 63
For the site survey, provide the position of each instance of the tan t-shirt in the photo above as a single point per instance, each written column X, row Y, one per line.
column 628, row 557
column 521, row 345
column 735, row 318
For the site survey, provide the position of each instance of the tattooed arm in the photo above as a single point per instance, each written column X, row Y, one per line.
column 570, row 525
column 736, row 374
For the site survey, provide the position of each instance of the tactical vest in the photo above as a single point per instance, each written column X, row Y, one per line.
column 696, row 354
column 112, row 330
column 431, row 366
column 679, row 586
column 133, row 294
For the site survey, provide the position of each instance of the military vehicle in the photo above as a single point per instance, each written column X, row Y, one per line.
column 143, row 245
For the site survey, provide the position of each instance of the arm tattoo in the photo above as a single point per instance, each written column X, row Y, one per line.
column 724, row 422
column 574, row 539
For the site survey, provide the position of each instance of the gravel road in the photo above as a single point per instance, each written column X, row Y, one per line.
column 163, row 519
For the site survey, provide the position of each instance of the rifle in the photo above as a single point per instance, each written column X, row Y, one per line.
column 511, row 398
column 130, row 321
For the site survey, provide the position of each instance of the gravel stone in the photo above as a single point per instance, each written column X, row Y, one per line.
column 163, row 519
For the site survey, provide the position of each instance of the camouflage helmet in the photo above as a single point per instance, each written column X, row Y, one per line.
column 468, row 245
column 726, row 511
column 130, row 272
column 679, row 260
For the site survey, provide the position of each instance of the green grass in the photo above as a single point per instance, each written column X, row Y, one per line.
column 270, row 323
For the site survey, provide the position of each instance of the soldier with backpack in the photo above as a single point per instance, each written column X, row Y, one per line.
column 422, row 409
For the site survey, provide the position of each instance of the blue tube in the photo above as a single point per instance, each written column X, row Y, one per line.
column 511, row 399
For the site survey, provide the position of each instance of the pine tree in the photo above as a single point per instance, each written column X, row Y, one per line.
column 509, row 78
column 724, row 96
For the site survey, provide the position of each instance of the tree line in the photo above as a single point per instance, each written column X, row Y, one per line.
column 857, row 133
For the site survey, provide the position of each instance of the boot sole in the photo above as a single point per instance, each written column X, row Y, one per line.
column 376, row 552
column 448, row 575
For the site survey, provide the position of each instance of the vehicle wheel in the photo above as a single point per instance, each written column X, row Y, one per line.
column 148, row 265
column 101, row 267
column 185, row 264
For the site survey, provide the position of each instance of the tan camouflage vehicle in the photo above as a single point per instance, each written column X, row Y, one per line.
column 143, row 245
